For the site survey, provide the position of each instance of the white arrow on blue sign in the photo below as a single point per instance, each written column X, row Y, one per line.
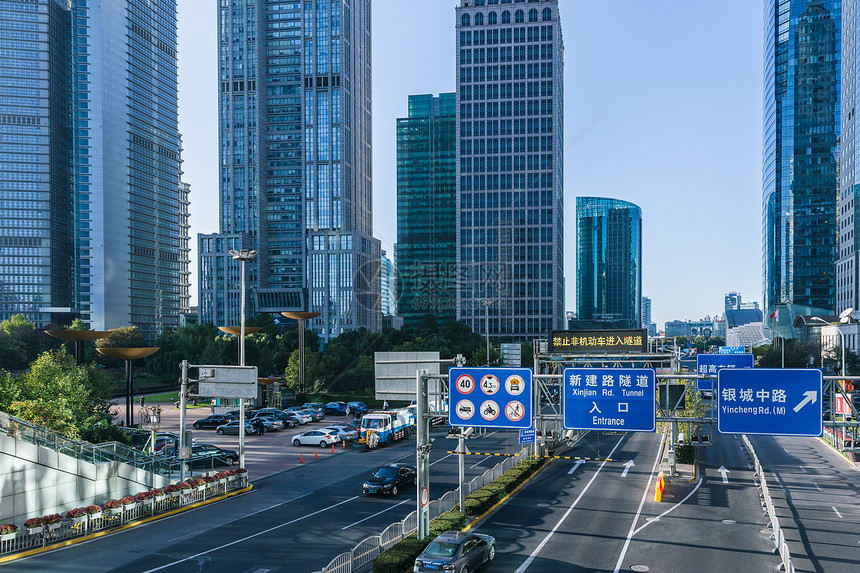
column 620, row 399
column 713, row 363
column 769, row 401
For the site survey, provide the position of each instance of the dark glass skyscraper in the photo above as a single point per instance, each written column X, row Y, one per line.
column 801, row 138
column 295, row 150
column 608, row 263
column 509, row 167
column 426, row 209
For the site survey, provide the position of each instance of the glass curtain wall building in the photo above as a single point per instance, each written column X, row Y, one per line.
column 426, row 209
column 128, row 203
column 801, row 139
column 509, row 169
column 36, row 233
column 847, row 284
column 295, row 151
column 608, row 263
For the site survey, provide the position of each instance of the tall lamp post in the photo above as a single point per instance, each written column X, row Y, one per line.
column 487, row 302
column 244, row 255
column 301, row 317
column 78, row 337
column 844, row 317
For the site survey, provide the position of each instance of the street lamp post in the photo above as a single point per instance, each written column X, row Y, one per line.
column 487, row 302
column 301, row 317
column 244, row 255
column 844, row 317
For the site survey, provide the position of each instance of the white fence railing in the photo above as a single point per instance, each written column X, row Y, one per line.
column 767, row 504
column 370, row 547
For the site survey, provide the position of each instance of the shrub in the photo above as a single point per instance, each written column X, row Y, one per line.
column 127, row 500
column 685, row 454
column 157, row 492
column 53, row 518
column 184, row 485
column 197, row 482
column 396, row 559
column 112, row 504
column 144, row 495
column 34, row 522
column 7, row 528
column 91, row 509
column 77, row 512
column 171, row 488
column 241, row 471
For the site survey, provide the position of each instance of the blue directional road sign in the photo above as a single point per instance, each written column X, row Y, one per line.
column 490, row 397
column 732, row 349
column 713, row 363
column 527, row 436
column 770, row 401
column 610, row 399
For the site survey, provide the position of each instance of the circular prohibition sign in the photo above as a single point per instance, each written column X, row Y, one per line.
column 425, row 496
column 465, row 383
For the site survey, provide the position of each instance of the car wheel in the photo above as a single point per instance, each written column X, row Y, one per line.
column 393, row 490
column 390, row 440
column 196, row 426
column 491, row 553
column 323, row 444
column 297, row 442
column 464, row 570
column 221, row 432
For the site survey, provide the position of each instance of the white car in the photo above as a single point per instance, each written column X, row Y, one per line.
column 319, row 438
column 345, row 434
column 300, row 418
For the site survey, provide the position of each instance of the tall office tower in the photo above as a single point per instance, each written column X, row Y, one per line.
column 295, row 151
column 801, row 139
column 184, row 265
column 732, row 301
column 847, row 264
column 608, row 263
column 509, row 167
column 128, row 203
column 36, row 236
column 387, row 286
column 646, row 311
column 426, row 209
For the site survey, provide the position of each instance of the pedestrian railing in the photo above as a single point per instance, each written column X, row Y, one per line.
column 777, row 536
column 92, row 453
column 370, row 547
column 70, row 528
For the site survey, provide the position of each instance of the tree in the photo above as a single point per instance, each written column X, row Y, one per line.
column 122, row 337
column 21, row 342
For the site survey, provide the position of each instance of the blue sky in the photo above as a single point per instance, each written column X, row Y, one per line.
column 662, row 108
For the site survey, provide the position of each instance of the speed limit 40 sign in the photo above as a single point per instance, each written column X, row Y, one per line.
column 490, row 397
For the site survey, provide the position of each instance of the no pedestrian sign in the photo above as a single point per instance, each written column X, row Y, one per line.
column 490, row 397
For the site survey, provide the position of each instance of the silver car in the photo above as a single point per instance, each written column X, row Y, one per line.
column 233, row 428
column 456, row 551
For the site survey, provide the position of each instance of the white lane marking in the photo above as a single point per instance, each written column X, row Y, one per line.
column 839, row 515
column 673, row 508
column 575, row 466
column 440, row 459
column 802, row 469
column 816, row 486
column 490, row 434
column 246, row 538
column 724, row 473
column 377, row 513
column 480, row 462
column 641, row 504
column 541, row 545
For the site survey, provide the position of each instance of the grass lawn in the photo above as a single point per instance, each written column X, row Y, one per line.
column 174, row 397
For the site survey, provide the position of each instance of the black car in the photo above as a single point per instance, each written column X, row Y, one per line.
column 213, row 421
column 207, row 456
column 289, row 421
column 389, row 479
column 457, row 552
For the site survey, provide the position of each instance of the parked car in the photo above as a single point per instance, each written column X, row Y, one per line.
column 314, row 406
column 272, row 424
column 316, row 415
column 288, row 421
column 346, row 434
column 335, row 408
column 315, row 438
column 456, row 551
column 213, row 421
column 352, row 426
column 358, row 407
column 389, row 479
column 298, row 417
column 235, row 413
column 233, row 428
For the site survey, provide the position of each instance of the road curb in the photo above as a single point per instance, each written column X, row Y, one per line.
column 75, row 541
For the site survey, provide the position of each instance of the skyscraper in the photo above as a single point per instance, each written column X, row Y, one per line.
column 801, row 138
column 646, row 311
column 608, row 263
column 426, row 209
column 128, row 202
column 509, row 168
column 36, row 236
column 295, row 150
column 732, row 301
column 847, row 264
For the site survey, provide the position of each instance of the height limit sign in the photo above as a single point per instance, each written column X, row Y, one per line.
column 490, row 397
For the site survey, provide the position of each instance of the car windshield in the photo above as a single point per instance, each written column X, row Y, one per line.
column 386, row 472
column 441, row 548
column 371, row 423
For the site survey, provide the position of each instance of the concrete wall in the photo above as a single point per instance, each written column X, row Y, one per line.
column 36, row 481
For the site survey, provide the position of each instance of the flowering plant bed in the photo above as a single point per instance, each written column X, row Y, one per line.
column 184, row 485
column 35, row 523
column 8, row 531
column 75, row 513
column 53, row 520
column 91, row 509
column 113, row 504
column 129, row 502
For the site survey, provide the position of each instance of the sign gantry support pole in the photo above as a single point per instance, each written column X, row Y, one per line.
column 183, row 392
column 423, row 454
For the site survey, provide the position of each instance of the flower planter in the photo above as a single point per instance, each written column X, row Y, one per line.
column 159, row 498
column 8, row 536
column 149, row 501
column 175, row 493
column 114, row 510
column 96, row 515
column 222, row 482
column 231, row 478
column 129, row 507
column 54, row 526
column 80, row 519
column 35, row 530
column 201, row 488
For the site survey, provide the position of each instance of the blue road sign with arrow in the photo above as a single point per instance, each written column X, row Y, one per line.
column 621, row 399
column 769, row 401
column 713, row 363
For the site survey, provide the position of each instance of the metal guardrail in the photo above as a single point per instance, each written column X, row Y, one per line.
column 25, row 540
column 370, row 547
column 85, row 451
column 778, row 536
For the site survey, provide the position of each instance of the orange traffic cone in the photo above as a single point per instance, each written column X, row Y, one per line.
column 343, row 445
column 316, row 454
column 332, row 448
column 301, row 458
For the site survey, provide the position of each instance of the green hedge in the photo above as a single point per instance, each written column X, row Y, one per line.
column 401, row 557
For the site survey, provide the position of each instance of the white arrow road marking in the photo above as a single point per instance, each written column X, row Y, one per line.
column 575, row 466
column 627, row 467
column 811, row 396
column 724, row 471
